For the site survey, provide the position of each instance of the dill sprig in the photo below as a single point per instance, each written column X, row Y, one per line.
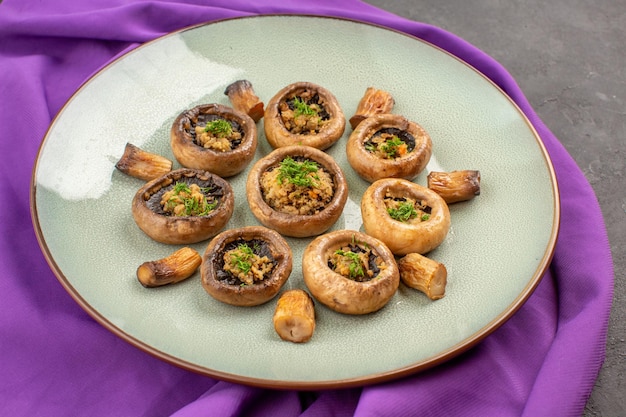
column 301, row 108
column 298, row 173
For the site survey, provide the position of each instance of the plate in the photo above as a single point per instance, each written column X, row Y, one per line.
column 499, row 245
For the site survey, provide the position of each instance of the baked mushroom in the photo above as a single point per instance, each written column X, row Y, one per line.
column 174, row 268
column 423, row 274
column 294, row 316
column 388, row 146
column 214, row 138
column 350, row 272
column 299, row 191
column 373, row 102
column 303, row 113
column 183, row 206
column 406, row 216
column 455, row 186
column 246, row 266
column 142, row 164
column 243, row 98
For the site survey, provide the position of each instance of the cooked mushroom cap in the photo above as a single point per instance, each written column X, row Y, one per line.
column 165, row 228
column 246, row 295
column 370, row 167
column 291, row 224
column 403, row 238
column 278, row 136
column 342, row 294
column 192, row 155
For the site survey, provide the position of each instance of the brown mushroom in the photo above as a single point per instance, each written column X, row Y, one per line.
column 246, row 266
column 141, row 164
column 174, row 268
column 298, row 217
column 455, row 186
column 355, row 293
column 172, row 224
column 388, row 146
column 421, row 218
column 424, row 274
column 303, row 113
column 294, row 316
column 243, row 98
column 214, row 138
column 373, row 102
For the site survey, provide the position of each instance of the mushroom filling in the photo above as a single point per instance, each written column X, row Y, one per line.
column 244, row 262
column 304, row 113
column 390, row 143
column 407, row 210
column 213, row 132
column 186, row 197
column 298, row 186
column 357, row 262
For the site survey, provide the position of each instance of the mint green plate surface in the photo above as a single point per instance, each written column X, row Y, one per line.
column 499, row 245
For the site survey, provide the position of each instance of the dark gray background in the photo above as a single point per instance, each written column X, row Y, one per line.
column 569, row 58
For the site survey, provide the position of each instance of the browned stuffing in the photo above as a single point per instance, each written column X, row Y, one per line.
column 246, row 265
column 186, row 200
column 357, row 262
column 407, row 209
column 287, row 197
column 303, row 113
column 216, row 140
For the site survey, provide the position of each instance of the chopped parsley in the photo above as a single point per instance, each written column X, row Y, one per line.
column 355, row 267
column 219, row 127
column 391, row 146
column 404, row 212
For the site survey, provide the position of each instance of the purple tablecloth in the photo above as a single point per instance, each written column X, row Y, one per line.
column 55, row 360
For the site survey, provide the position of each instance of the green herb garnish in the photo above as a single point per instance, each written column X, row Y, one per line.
column 355, row 267
column 404, row 211
column 181, row 187
column 301, row 108
column 219, row 127
column 193, row 206
column 298, row 173
column 241, row 258
column 390, row 147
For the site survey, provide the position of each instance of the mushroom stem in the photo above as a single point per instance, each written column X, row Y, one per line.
column 455, row 186
column 423, row 274
column 174, row 268
column 142, row 164
column 244, row 99
column 373, row 102
column 294, row 317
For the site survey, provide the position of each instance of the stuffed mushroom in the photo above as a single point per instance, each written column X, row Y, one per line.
column 299, row 191
column 388, row 146
column 350, row 272
column 406, row 216
column 183, row 206
column 303, row 113
column 246, row 266
column 215, row 138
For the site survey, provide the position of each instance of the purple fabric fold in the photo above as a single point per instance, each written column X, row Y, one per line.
column 55, row 360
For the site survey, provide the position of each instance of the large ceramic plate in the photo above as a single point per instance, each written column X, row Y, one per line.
column 498, row 247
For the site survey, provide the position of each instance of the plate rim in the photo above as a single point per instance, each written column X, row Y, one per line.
column 357, row 381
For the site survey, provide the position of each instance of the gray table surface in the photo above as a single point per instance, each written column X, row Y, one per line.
column 569, row 58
